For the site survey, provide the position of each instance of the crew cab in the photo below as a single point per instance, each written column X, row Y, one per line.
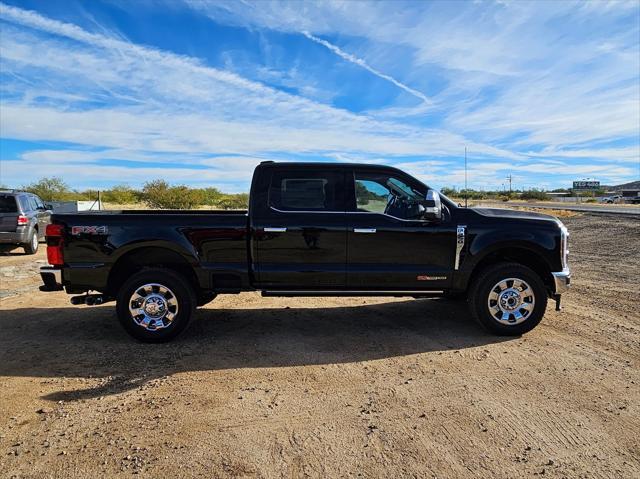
column 312, row 229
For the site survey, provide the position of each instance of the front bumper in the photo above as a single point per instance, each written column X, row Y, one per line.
column 561, row 281
column 52, row 278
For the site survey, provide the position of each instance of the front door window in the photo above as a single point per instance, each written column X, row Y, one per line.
column 382, row 193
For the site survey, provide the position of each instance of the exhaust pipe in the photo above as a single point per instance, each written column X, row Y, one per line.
column 89, row 299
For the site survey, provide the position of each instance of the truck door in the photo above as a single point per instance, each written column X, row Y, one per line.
column 390, row 247
column 299, row 233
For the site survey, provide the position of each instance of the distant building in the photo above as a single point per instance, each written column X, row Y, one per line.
column 632, row 193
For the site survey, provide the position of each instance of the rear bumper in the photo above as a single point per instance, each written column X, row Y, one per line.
column 20, row 236
column 52, row 278
column 561, row 281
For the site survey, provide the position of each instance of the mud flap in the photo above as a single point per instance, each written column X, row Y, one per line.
column 558, row 298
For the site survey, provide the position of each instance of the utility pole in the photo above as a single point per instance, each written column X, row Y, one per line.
column 466, row 190
column 510, row 178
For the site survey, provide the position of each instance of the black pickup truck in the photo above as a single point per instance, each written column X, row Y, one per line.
column 312, row 229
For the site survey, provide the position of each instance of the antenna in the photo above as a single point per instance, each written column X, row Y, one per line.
column 466, row 191
column 510, row 178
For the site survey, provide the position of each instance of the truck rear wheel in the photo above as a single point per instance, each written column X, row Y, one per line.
column 155, row 305
column 508, row 299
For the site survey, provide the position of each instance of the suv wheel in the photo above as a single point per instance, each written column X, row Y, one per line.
column 32, row 246
column 508, row 299
column 155, row 305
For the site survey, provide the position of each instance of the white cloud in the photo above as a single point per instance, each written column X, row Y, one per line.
column 513, row 91
column 556, row 73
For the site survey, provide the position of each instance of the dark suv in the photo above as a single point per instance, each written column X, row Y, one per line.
column 23, row 219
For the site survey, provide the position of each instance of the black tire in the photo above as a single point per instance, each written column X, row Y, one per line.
column 170, row 327
column 482, row 287
column 32, row 246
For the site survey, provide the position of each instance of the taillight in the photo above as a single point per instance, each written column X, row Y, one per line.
column 23, row 220
column 55, row 242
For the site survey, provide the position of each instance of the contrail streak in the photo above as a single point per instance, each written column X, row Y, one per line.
column 360, row 62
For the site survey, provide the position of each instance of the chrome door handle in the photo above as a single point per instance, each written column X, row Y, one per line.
column 364, row 230
column 275, row 230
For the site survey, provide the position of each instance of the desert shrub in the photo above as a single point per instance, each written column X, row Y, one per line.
column 450, row 192
column 54, row 189
column 121, row 194
column 534, row 195
column 238, row 201
column 158, row 194
column 473, row 194
column 211, row 196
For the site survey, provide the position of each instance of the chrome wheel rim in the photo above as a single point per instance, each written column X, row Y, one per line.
column 511, row 301
column 153, row 306
column 34, row 241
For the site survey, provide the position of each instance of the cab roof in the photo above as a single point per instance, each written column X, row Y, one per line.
column 322, row 164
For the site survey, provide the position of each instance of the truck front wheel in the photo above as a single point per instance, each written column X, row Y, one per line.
column 508, row 299
column 155, row 305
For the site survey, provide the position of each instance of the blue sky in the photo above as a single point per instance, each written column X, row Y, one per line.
column 198, row 92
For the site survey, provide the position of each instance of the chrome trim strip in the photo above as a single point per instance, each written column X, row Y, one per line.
column 561, row 281
column 274, row 230
column 308, row 211
column 460, row 239
column 364, row 230
column 343, row 292
column 347, row 213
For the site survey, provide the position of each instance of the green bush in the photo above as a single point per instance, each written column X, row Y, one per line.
column 223, row 201
column 121, row 194
column 158, row 194
column 211, row 196
column 238, row 201
column 535, row 195
column 54, row 189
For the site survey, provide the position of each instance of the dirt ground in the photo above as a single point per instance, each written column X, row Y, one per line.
column 325, row 387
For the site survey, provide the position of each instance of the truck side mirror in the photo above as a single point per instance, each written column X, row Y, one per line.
column 432, row 206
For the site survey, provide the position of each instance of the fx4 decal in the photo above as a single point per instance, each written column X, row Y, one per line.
column 90, row 230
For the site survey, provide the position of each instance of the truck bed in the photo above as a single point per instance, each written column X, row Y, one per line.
column 213, row 242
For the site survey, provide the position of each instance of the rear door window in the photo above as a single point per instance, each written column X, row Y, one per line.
column 8, row 204
column 24, row 203
column 306, row 191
